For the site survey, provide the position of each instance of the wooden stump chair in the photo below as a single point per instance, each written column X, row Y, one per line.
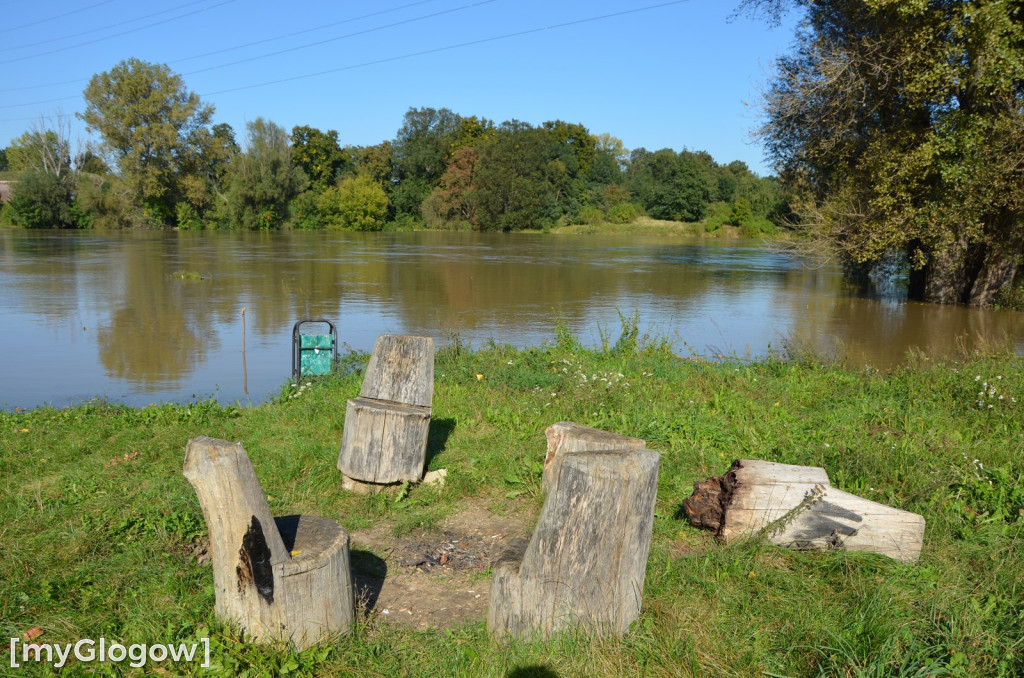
column 585, row 563
column 797, row 507
column 385, row 436
column 280, row 579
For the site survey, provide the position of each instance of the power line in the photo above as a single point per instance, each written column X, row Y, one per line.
column 340, row 37
column 236, row 47
column 302, row 32
column 101, row 28
column 117, row 35
column 54, row 18
column 400, row 57
column 446, row 48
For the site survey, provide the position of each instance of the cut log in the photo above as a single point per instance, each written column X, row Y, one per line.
column 796, row 507
column 567, row 436
column 584, row 566
column 386, row 428
column 284, row 579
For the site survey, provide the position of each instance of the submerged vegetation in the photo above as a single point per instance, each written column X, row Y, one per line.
column 100, row 527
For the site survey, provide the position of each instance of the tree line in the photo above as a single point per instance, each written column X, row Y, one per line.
column 162, row 161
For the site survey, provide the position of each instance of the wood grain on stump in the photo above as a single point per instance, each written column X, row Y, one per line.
column 283, row 579
column 386, row 428
column 585, row 564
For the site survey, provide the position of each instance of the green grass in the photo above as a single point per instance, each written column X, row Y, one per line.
column 96, row 518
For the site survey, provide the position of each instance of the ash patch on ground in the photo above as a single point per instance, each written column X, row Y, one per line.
column 432, row 579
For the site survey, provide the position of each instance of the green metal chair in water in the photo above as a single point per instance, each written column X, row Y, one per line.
column 313, row 354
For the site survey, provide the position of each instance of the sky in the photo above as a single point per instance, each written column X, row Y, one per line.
column 654, row 73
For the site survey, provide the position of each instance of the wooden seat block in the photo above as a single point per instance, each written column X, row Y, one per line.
column 567, row 436
column 385, row 436
column 384, row 442
column 401, row 369
column 284, row 579
column 797, row 507
column 585, row 564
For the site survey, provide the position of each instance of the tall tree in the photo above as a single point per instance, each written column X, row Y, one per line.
column 426, row 142
column 672, row 185
column 155, row 130
column 899, row 128
column 318, row 154
column 263, row 179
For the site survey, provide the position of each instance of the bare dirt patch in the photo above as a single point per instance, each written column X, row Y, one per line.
column 432, row 579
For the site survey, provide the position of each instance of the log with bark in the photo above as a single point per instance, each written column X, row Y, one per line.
column 796, row 507
column 584, row 565
column 384, row 440
column 279, row 579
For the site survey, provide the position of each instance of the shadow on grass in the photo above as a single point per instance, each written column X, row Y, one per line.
column 437, row 438
column 532, row 672
column 368, row 573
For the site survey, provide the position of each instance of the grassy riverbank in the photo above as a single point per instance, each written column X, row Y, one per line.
column 99, row 528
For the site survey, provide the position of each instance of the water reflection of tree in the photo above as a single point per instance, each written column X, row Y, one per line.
column 158, row 331
column 880, row 332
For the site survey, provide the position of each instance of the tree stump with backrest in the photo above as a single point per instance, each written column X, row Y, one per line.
column 385, row 436
column 797, row 507
column 279, row 579
column 584, row 565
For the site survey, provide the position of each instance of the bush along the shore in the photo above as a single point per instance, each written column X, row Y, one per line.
column 101, row 530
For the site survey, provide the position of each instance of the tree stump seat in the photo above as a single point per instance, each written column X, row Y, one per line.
column 384, row 440
column 280, row 579
column 585, row 563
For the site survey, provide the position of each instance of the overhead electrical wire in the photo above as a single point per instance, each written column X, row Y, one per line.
column 299, row 47
column 302, row 32
column 116, row 35
column 459, row 45
column 341, row 37
column 435, row 50
column 235, row 47
column 8, row 29
column 101, row 28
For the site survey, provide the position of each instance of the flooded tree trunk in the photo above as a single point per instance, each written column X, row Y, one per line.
column 967, row 273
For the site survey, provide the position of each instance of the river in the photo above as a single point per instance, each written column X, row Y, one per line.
column 149, row 317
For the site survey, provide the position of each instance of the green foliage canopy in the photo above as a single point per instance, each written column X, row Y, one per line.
column 263, row 179
column 156, row 131
column 358, row 203
column 318, row 154
column 898, row 127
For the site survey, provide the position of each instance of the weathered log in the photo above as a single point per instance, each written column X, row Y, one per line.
column 567, row 436
column 285, row 579
column 585, row 563
column 796, row 507
column 385, row 436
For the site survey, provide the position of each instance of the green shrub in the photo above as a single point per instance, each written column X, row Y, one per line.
column 591, row 215
column 357, row 203
column 624, row 212
column 42, row 200
column 718, row 215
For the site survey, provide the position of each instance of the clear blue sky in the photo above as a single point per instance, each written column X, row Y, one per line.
column 656, row 74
